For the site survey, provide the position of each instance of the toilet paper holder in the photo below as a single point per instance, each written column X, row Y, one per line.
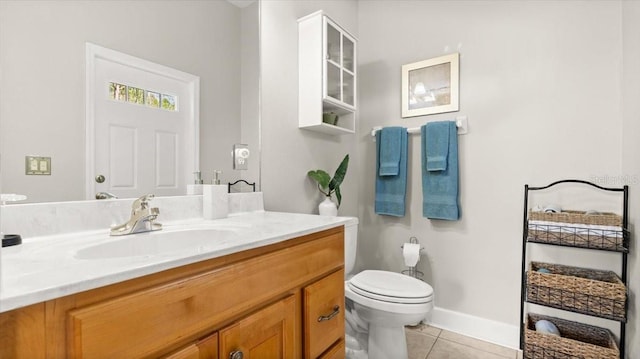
column 413, row 271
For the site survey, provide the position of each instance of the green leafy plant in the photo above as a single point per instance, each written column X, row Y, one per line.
column 327, row 185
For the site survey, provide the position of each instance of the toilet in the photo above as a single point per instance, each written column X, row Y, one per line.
column 379, row 305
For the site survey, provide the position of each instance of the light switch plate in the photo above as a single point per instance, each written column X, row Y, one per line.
column 37, row 165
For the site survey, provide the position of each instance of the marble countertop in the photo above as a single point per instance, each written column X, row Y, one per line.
column 49, row 267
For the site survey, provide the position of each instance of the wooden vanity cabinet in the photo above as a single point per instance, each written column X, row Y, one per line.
column 264, row 302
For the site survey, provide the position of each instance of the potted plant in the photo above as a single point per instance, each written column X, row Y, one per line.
column 327, row 186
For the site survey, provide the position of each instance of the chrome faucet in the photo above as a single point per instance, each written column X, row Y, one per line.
column 142, row 218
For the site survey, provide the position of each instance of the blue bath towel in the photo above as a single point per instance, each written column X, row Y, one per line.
column 391, row 190
column 440, row 188
column 437, row 145
column 390, row 149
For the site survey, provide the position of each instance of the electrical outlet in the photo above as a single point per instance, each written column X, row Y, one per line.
column 37, row 165
column 241, row 155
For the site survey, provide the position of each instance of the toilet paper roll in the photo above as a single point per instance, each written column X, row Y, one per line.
column 411, row 254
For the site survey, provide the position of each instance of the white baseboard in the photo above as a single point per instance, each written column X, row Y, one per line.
column 488, row 330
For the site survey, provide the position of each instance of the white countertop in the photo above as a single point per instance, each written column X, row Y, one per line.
column 48, row 267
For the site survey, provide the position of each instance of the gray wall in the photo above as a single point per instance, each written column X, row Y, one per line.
column 42, row 57
column 540, row 83
column 289, row 152
column 631, row 157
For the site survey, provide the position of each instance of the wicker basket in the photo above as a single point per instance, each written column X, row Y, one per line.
column 577, row 217
column 587, row 291
column 578, row 231
column 576, row 341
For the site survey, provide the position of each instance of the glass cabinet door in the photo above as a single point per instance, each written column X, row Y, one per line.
column 333, row 82
column 333, row 44
column 348, row 54
column 339, row 65
column 348, row 88
column 333, row 59
column 348, row 72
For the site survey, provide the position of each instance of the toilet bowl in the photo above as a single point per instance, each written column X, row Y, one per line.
column 383, row 303
column 388, row 301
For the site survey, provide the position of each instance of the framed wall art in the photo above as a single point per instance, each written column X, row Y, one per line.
column 430, row 86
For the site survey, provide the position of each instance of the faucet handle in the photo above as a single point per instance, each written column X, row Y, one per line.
column 142, row 202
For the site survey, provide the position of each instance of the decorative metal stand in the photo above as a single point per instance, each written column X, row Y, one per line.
column 578, row 236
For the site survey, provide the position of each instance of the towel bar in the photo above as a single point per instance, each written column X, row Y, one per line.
column 461, row 123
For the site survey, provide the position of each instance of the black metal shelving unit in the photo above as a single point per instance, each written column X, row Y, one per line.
column 588, row 242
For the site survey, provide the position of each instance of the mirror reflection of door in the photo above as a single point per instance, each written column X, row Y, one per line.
column 142, row 123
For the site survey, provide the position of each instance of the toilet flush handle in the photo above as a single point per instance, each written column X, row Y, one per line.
column 335, row 312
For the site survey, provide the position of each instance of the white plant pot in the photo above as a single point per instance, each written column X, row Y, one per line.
column 327, row 208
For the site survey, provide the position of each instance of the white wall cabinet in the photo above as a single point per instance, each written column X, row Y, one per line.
column 327, row 75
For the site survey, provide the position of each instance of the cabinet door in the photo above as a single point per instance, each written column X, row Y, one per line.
column 268, row 333
column 339, row 65
column 333, row 57
column 22, row 333
column 323, row 314
column 206, row 348
column 348, row 70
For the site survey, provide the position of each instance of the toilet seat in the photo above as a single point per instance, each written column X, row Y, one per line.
column 391, row 287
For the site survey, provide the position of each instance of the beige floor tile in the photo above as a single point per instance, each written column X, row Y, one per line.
column 445, row 349
column 478, row 344
column 427, row 329
column 419, row 344
column 519, row 355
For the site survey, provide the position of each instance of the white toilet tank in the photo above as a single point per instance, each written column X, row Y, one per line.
column 350, row 245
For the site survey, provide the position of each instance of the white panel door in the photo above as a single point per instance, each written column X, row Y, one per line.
column 140, row 148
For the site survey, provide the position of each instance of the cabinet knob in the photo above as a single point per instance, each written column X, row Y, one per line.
column 335, row 312
column 236, row 354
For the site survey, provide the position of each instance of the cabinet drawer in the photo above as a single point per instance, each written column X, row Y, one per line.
column 337, row 351
column 322, row 325
column 190, row 352
column 144, row 323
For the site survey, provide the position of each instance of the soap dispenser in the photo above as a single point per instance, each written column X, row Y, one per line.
column 196, row 187
column 215, row 199
column 216, row 177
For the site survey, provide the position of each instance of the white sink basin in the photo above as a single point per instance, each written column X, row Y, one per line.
column 157, row 243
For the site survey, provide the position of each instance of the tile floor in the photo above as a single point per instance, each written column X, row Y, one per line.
column 426, row 342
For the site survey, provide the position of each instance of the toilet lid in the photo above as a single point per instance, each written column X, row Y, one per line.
column 391, row 287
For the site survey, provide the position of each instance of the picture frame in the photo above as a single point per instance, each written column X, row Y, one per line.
column 431, row 86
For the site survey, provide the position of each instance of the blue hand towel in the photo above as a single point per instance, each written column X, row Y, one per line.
column 440, row 188
column 391, row 190
column 390, row 149
column 437, row 145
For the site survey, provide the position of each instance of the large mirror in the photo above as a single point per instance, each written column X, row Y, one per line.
column 43, row 84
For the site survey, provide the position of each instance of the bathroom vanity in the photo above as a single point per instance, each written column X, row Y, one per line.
column 280, row 292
